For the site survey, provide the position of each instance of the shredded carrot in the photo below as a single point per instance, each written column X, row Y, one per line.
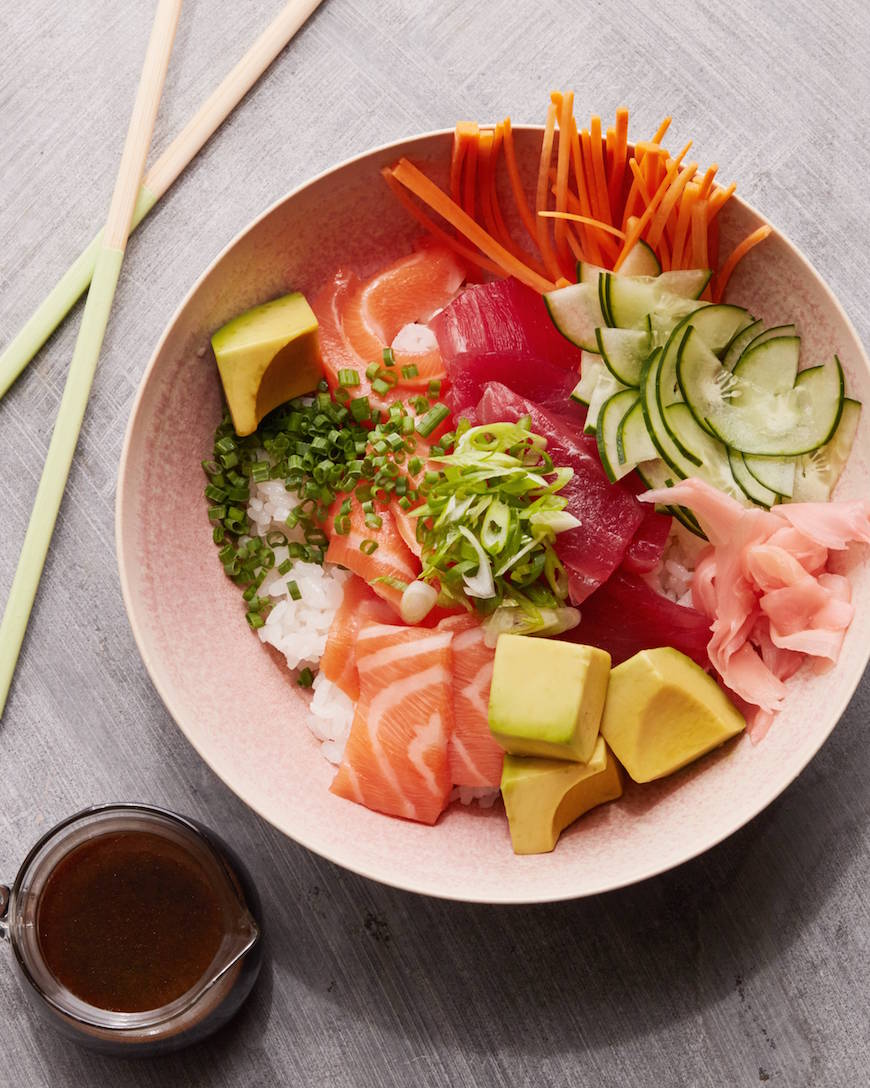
column 609, row 148
column 707, row 183
column 522, row 204
column 598, row 169
column 484, row 151
column 461, row 136
column 588, row 220
column 470, row 171
column 633, row 235
column 737, row 254
column 416, row 181
column 662, row 129
column 720, row 198
column 488, row 152
column 620, row 150
column 598, row 208
column 545, row 245
column 699, row 234
column 690, row 195
column 563, row 166
column 428, row 224
column 590, row 242
column 657, row 224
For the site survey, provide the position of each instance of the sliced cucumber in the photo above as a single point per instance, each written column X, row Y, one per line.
column 753, row 490
column 775, row 473
column 656, row 475
column 630, row 300
column 613, row 411
column 739, row 341
column 624, row 352
column 588, row 273
column 603, row 301
column 575, row 312
column 641, row 261
column 818, row 472
column 771, row 334
column 709, row 453
column 653, row 418
column 604, row 389
column 753, row 419
column 772, row 364
column 633, row 442
column 591, row 368
column 717, row 325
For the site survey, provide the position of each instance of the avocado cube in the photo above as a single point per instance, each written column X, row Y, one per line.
column 543, row 796
column 547, row 696
column 663, row 712
column 266, row 356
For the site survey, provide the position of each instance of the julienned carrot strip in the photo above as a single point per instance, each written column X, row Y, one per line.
column 510, row 159
column 657, row 224
column 617, row 170
column 609, row 148
column 588, row 220
column 598, row 169
column 737, row 254
column 542, row 232
column 635, row 233
column 423, row 219
column 461, row 136
column 662, row 129
column 699, row 234
column 690, row 195
column 484, row 150
column 720, row 198
column 638, row 190
column 640, row 184
column 470, row 171
column 707, row 183
column 563, row 166
column 589, row 240
column 413, row 179
column 488, row 150
column 607, row 247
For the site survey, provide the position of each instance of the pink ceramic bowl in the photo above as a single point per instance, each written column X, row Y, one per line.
column 236, row 701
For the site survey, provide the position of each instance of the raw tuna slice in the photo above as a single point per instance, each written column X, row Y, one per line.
column 543, row 382
column 648, row 544
column 503, row 318
column 609, row 514
column 626, row 615
column 395, row 760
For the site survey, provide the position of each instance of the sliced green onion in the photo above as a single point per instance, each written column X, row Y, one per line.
column 436, row 415
column 368, row 547
column 410, row 371
column 389, row 357
column 306, row 678
column 294, row 590
column 380, row 387
column 372, row 370
column 348, row 376
column 374, row 521
column 434, row 387
column 254, row 619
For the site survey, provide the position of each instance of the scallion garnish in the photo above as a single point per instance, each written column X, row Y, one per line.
column 348, row 376
column 305, row 678
column 294, row 590
column 435, row 415
column 368, row 547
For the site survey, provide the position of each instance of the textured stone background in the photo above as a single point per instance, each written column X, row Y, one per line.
column 746, row 966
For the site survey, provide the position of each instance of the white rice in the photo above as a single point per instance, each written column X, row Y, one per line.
column 673, row 576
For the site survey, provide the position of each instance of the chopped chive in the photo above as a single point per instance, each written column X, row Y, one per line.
column 360, row 409
column 217, row 513
column 389, row 357
column 285, row 567
column 380, row 387
column 254, row 619
column 348, row 376
column 294, row 590
column 368, row 547
column 410, row 371
column 374, row 521
column 434, row 387
column 414, row 465
column 436, row 415
column 372, row 370
column 306, row 678
column 342, row 525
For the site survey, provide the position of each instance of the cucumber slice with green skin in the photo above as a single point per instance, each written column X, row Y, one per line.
column 633, row 442
column 753, row 419
column 818, row 472
column 624, row 352
column 653, row 417
column 772, row 364
column 771, row 334
column 656, row 475
column 591, row 368
column 641, row 261
column 588, row 273
column 775, row 473
column 602, row 298
column 718, row 324
column 714, row 465
column 760, row 495
column 739, row 341
column 605, row 388
column 611, row 415
column 630, row 300
column 575, row 312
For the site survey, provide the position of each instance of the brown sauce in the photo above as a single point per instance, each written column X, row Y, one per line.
column 129, row 921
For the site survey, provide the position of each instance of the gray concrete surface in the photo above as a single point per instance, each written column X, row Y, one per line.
column 747, row 966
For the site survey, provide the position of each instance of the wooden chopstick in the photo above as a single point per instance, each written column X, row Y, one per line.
column 95, row 318
column 186, row 145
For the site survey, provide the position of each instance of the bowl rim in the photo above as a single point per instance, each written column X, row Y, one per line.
column 763, row 799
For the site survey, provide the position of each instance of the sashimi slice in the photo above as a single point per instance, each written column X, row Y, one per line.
column 626, row 616
column 503, row 318
column 545, row 383
column 359, row 606
column 647, row 546
column 609, row 514
column 395, row 760
column 335, row 349
column 391, row 559
column 474, row 757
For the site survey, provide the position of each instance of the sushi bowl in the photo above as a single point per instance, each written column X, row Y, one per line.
column 239, row 705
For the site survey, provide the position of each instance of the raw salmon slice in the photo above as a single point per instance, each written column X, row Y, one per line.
column 474, row 757
column 358, row 320
column 392, row 558
column 396, row 759
column 359, row 606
